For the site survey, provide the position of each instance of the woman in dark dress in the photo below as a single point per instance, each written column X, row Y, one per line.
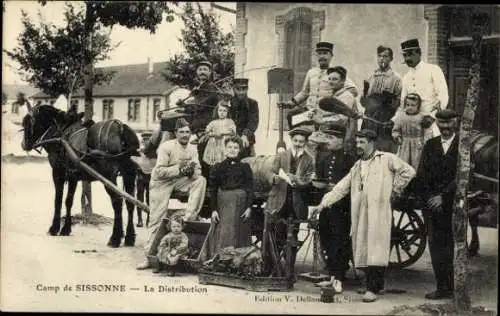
column 230, row 188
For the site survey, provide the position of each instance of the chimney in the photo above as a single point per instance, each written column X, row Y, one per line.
column 150, row 66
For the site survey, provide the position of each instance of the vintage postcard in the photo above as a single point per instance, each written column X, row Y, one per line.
column 213, row 191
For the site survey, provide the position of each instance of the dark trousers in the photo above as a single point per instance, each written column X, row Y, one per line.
column 281, row 231
column 334, row 229
column 441, row 247
column 375, row 278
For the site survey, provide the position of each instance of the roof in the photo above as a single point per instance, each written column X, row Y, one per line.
column 129, row 80
column 13, row 89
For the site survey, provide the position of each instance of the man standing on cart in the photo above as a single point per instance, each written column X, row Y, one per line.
column 374, row 180
column 245, row 113
column 316, row 84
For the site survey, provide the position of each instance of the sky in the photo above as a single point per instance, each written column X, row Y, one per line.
column 135, row 47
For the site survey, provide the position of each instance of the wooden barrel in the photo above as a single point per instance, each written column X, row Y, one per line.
column 263, row 169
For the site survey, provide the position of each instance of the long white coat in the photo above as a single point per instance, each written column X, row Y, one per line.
column 371, row 213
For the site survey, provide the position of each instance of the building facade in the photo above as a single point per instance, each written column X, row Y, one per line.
column 285, row 35
column 134, row 95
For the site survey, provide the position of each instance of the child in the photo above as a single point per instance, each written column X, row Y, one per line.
column 217, row 131
column 173, row 246
column 408, row 130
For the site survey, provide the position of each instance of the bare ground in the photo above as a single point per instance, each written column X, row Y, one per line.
column 34, row 266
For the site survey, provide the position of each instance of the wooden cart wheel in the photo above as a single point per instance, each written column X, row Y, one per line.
column 321, row 253
column 408, row 238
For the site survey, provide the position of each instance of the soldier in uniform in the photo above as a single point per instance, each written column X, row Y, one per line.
column 332, row 164
column 245, row 113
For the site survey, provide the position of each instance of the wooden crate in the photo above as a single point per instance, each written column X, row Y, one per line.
column 197, row 233
column 255, row 284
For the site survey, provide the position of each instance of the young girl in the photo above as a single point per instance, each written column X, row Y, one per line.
column 408, row 130
column 218, row 130
column 173, row 246
column 230, row 188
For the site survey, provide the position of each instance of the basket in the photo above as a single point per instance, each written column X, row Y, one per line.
column 255, row 284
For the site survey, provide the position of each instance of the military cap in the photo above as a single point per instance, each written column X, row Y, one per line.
column 322, row 46
column 410, row 44
column 204, row 63
column 328, row 131
column 240, row 82
column 180, row 123
column 300, row 130
column 367, row 133
column 446, row 115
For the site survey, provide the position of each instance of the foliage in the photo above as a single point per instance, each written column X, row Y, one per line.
column 202, row 38
column 5, row 97
column 131, row 14
column 51, row 57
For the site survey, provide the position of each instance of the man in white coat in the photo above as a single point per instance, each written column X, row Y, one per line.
column 426, row 80
column 373, row 182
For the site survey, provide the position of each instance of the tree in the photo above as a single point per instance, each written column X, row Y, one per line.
column 94, row 16
column 51, row 57
column 460, row 214
column 202, row 38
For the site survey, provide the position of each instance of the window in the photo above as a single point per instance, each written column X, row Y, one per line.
column 134, row 107
column 107, row 109
column 156, row 108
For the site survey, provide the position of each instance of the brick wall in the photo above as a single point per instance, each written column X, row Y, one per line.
column 437, row 17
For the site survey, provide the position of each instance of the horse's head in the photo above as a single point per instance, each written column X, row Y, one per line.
column 375, row 102
column 37, row 123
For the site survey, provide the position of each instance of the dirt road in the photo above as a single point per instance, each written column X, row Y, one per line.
column 44, row 273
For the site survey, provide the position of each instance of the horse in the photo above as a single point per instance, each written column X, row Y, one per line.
column 481, row 200
column 105, row 146
column 380, row 107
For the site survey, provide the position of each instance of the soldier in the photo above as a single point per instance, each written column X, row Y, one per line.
column 332, row 164
column 316, row 84
column 245, row 113
column 426, row 80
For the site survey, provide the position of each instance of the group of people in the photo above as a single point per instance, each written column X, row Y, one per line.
column 207, row 149
column 413, row 147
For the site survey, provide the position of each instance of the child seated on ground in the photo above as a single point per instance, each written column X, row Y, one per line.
column 173, row 246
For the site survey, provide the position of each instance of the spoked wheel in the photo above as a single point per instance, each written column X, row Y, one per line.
column 408, row 238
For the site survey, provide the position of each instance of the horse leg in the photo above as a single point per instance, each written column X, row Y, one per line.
column 140, row 196
column 474, row 243
column 58, row 179
column 148, row 178
column 117, row 203
column 66, row 230
column 129, row 183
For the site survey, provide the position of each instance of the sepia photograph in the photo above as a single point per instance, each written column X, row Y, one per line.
column 249, row 158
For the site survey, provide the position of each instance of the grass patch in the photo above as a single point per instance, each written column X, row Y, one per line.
column 17, row 159
column 93, row 219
